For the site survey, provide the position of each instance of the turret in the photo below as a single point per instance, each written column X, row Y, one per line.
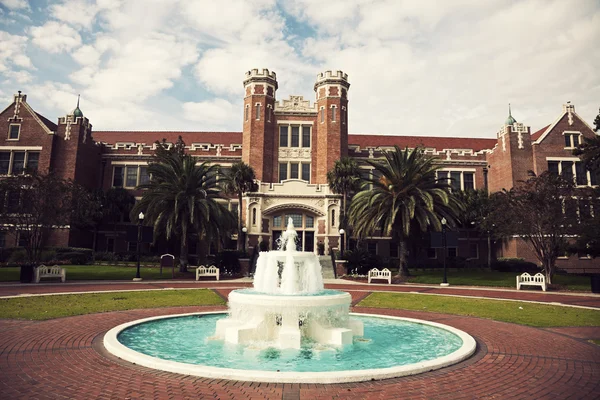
column 331, row 143
column 259, row 123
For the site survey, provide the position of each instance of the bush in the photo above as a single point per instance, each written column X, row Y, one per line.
column 106, row 256
column 228, row 261
column 75, row 257
column 514, row 265
column 17, row 256
column 48, row 256
column 360, row 261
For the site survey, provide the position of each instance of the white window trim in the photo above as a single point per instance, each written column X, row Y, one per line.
column 300, row 126
column 258, row 107
column 10, row 128
column 573, row 134
column 15, row 149
column 574, row 160
column 322, row 115
column 462, row 176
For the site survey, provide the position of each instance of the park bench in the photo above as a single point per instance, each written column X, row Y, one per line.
column 537, row 280
column 207, row 271
column 50, row 272
column 383, row 274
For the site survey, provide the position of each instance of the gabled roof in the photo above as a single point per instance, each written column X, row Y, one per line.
column 149, row 137
column 547, row 130
column 537, row 134
column 439, row 143
column 51, row 125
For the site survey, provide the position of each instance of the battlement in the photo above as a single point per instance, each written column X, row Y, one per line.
column 329, row 75
column 254, row 73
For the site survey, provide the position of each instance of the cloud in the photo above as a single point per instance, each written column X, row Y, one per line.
column 15, row 4
column 213, row 114
column 12, row 52
column 55, row 37
column 18, row 76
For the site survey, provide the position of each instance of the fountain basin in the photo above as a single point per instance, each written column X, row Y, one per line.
column 192, row 351
column 286, row 319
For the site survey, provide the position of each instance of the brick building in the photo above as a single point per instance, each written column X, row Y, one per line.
column 291, row 144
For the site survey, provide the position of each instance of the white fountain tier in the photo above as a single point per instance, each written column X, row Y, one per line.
column 288, row 302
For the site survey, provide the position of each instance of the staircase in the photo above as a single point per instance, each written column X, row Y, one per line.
column 326, row 267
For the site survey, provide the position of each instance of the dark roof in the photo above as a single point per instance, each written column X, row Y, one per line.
column 51, row 125
column 149, row 137
column 536, row 135
column 439, row 143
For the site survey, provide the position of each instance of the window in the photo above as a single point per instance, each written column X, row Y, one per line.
column 431, row 253
column 452, row 251
column 118, row 176
column 283, row 136
column 296, row 219
column 343, row 112
column 269, row 109
column 473, row 250
column 322, row 114
column 333, row 112
column 254, row 216
column 131, row 176
column 295, row 136
column 257, row 111
column 572, row 140
column 309, row 222
column 332, row 217
column 572, row 169
column 458, row 180
column 18, row 162
column 282, row 171
column 306, row 172
column 13, row 132
column 394, row 249
column 372, row 248
column 277, row 220
column 306, row 136
column 293, row 170
column 144, row 177
column 247, row 112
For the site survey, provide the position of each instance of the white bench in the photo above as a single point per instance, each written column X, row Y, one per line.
column 207, row 271
column 537, row 280
column 50, row 272
column 383, row 274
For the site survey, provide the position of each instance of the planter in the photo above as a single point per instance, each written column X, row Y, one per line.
column 26, row 274
column 244, row 266
column 341, row 268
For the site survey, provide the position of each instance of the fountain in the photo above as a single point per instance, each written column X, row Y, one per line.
column 288, row 328
column 289, row 303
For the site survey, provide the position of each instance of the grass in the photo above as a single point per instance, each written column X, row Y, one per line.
column 478, row 277
column 101, row 272
column 48, row 307
column 531, row 314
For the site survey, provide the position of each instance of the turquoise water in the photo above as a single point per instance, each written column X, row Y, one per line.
column 324, row 292
column 386, row 343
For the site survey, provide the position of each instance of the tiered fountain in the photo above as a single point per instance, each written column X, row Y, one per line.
column 289, row 303
column 288, row 328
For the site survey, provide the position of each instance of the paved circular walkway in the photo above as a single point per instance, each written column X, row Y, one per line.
column 64, row 358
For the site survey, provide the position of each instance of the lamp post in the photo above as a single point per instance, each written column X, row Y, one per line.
column 342, row 243
column 139, row 239
column 445, row 282
column 244, row 230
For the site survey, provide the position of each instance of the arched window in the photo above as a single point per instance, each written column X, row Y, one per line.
column 269, row 113
column 257, row 111
column 247, row 112
column 322, row 114
column 333, row 112
column 254, row 216
column 333, row 217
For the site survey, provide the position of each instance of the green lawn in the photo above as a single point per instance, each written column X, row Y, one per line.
column 539, row 315
column 101, row 272
column 48, row 307
column 478, row 277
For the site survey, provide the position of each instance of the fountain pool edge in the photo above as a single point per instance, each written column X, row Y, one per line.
column 113, row 346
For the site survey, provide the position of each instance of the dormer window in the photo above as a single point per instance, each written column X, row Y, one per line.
column 572, row 139
column 13, row 131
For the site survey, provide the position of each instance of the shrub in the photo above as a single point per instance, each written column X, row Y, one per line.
column 75, row 257
column 360, row 261
column 48, row 256
column 514, row 265
column 17, row 256
column 228, row 261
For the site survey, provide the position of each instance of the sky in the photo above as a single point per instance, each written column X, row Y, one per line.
column 416, row 67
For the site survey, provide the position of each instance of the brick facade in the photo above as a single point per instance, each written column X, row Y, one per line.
column 73, row 150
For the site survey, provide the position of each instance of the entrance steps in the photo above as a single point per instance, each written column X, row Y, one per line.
column 327, row 267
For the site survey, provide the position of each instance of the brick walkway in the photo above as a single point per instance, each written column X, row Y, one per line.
column 64, row 359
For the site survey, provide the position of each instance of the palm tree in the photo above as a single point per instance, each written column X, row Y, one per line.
column 238, row 180
column 344, row 179
column 182, row 196
column 117, row 202
column 406, row 193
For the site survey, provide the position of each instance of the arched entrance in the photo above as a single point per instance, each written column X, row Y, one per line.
column 304, row 223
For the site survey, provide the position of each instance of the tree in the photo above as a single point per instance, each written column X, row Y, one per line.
column 182, row 196
column 541, row 212
column 240, row 179
column 344, row 178
column 589, row 150
column 597, row 123
column 116, row 202
column 36, row 204
column 476, row 214
column 588, row 240
column 406, row 193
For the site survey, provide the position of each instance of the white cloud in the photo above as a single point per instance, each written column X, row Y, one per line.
column 12, row 52
column 55, row 37
column 18, row 76
column 15, row 4
column 213, row 114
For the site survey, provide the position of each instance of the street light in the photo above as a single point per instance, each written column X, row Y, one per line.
column 244, row 230
column 342, row 243
column 139, row 239
column 445, row 282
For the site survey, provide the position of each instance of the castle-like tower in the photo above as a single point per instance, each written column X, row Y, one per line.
column 258, row 135
column 331, row 142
